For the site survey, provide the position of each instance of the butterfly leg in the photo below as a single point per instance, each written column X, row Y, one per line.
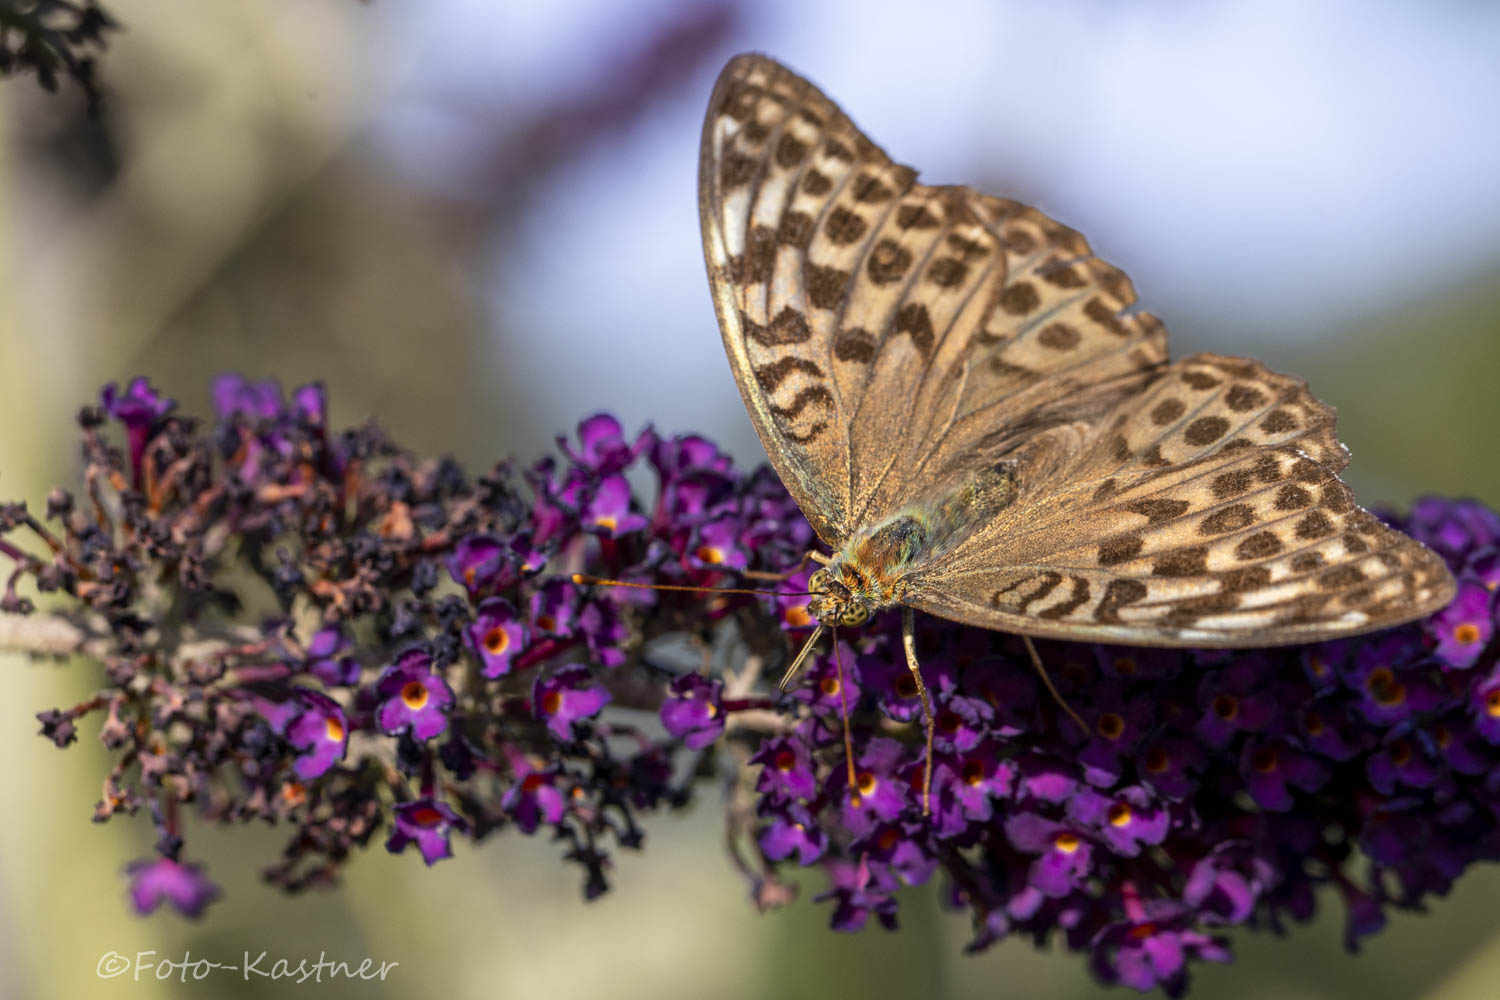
column 838, row 665
column 909, row 643
column 1036, row 661
column 807, row 557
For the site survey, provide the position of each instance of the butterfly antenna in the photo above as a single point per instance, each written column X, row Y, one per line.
column 583, row 578
column 796, row 667
column 909, row 643
column 1036, row 661
column 838, row 666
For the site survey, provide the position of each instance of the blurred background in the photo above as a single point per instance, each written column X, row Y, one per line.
column 405, row 200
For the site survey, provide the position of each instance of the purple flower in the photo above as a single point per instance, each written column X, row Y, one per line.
column 496, row 635
column 326, row 660
column 413, row 699
column 860, row 890
column 604, row 631
column 792, row 829
column 1400, row 762
column 1046, row 779
column 1464, row 628
column 138, row 405
column 533, row 797
column 429, row 824
column 235, row 395
column 1269, row 766
column 310, row 404
column 1454, row 527
column 1124, row 820
column 786, row 769
column 564, row 696
column 602, row 448
column 1484, row 703
column 880, row 791
column 1234, row 700
column 1170, row 766
column 480, row 562
column 1119, row 724
column 976, row 780
column 319, row 730
column 718, row 545
column 554, row 607
column 140, row 408
column 694, row 710
column 1152, row 951
column 825, row 687
column 1483, row 565
column 609, row 511
column 1382, row 674
column 155, row 880
column 1064, row 855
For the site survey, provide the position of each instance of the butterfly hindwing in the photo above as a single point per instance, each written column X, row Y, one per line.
column 1207, row 511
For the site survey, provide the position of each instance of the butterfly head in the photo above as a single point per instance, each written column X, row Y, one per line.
column 834, row 602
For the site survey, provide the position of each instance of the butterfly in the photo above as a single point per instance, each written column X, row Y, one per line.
column 980, row 423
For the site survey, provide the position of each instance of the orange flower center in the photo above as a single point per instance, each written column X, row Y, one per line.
column 1384, row 687
column 797, row 617
column 607, row 522
column 334, row 730
column 497, row 640
column 906, row 687
column 1467, row 633
column 551, row 702
column 414, row 694
column 1125, row 666
column 293, row 793
column 1111, row 726
column 1492, row 704
column 1264, row 760
column 1066, row 842
column 1226, row 707
column 1119, row 814
column 785, row 761
column 866, row 782
column 1400, row 753
column 829, row 685
column 1313, row 723
column 973, row 772
column 425, row 816
column 546, row 623
column 709, row 554
column 1158, row 760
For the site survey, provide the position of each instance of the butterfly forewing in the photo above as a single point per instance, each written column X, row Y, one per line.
column 893, row 341
column 888, row 335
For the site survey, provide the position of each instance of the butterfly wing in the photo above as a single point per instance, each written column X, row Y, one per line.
column 892, row 340
column 1206, row 511
column 887, row 335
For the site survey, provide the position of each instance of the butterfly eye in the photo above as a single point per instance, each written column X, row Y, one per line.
column 854, row 615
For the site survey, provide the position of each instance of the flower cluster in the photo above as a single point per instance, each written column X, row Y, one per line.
column 424, row 659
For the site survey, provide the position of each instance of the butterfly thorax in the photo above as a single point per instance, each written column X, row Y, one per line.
column 870, row 573
column 876, row 567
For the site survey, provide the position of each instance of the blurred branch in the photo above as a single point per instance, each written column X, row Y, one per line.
column 51, row 37
column 520, row 155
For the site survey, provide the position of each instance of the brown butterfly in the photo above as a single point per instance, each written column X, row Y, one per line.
column 980, row 423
